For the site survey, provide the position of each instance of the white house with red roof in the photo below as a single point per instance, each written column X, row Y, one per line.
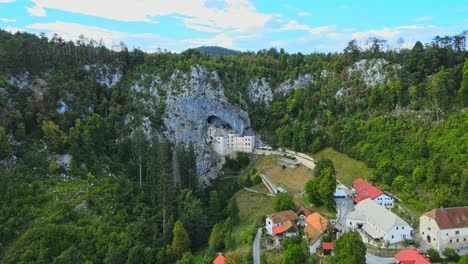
column 282, row 224
column 410, row 256
column 363, row 190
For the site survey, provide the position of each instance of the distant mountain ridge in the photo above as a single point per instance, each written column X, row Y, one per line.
column 216, row 50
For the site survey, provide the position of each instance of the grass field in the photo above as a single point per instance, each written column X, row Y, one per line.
column 292, row 180
column 252, row 207
column 347, row 169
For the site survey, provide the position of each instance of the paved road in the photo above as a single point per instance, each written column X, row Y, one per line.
column 343, row 207
column 256, row 247
column 304, row 159
column 371, row 259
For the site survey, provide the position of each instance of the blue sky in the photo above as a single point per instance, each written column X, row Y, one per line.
column 305, row 26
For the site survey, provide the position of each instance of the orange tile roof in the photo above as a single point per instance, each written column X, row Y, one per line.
column 283, row 216
column 284, row 227
column 219, row 260
column 317, row 222
column 312, row 233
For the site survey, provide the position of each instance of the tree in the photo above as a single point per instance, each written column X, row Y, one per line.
column 53, row 135
column 5, row 147
column 349, row 249
column 433, row 255
column 233, row 210
column 180, row 240
column 311, row 189
column 294, row 254
column 282, row 201
column 216, row 238
column 463, row 260
column 463, row 90
column 327, row 187
column 451, row 255
column 187, row 258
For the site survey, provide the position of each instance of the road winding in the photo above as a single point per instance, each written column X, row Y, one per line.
column 256, row 247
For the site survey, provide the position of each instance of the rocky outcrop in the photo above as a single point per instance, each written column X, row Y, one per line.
column 260, row 91
column 289, row 85
column 190, row 98
column 105, row 75
column 372, row 72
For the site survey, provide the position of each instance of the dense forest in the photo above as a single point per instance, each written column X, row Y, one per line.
column 85, row 185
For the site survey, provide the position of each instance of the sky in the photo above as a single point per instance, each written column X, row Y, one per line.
column 297, row 26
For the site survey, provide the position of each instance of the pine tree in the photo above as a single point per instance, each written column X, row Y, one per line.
column 216, row 238
column 180, row 240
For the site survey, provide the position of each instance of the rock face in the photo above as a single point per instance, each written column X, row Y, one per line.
column 105, row 75
column 190, row 99
column 289, row 85
column 260, row 91
column 372, row 72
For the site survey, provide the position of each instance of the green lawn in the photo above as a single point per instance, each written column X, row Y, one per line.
column 347, row 168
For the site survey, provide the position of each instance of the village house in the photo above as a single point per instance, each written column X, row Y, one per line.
column 315, row 227
column 282, row 224
column 445, row 228
column 410, row 256
column 302, row 213
column 364, row 190
column 377, row 223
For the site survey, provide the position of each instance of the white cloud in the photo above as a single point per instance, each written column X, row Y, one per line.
column 303, row 13
column 7, row 1
column 7, row 20
column 384, row 33
column 413, row 27
column 336, row 36
column 72, row 31
column 237, row 15
column 13, row 29
column 322, row 29
column 37, row 11
column 423, row 18
column 294, row 25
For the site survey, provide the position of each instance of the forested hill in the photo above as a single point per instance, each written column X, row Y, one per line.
column 99, row 165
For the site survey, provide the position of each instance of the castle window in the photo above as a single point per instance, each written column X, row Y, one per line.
column 457, row 232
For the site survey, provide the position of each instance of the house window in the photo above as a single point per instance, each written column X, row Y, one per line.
column 402, row 227
column 457, row 232
column 446, row 234
column 397, row 228
column 450, row 240
column 392, row 237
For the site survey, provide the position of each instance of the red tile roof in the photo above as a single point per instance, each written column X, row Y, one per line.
column 411, row 256
column 283, row 216
column 284, row 227
column 365, row 190
column 219, row 260
column 446, row 218
column 327, row 245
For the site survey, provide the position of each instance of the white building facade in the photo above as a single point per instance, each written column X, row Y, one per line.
column 378, row 223
column 445, row 228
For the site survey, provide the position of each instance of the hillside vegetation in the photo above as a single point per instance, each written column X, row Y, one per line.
column 91, row 170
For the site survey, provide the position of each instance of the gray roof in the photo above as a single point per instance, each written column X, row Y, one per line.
column 380, row 216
